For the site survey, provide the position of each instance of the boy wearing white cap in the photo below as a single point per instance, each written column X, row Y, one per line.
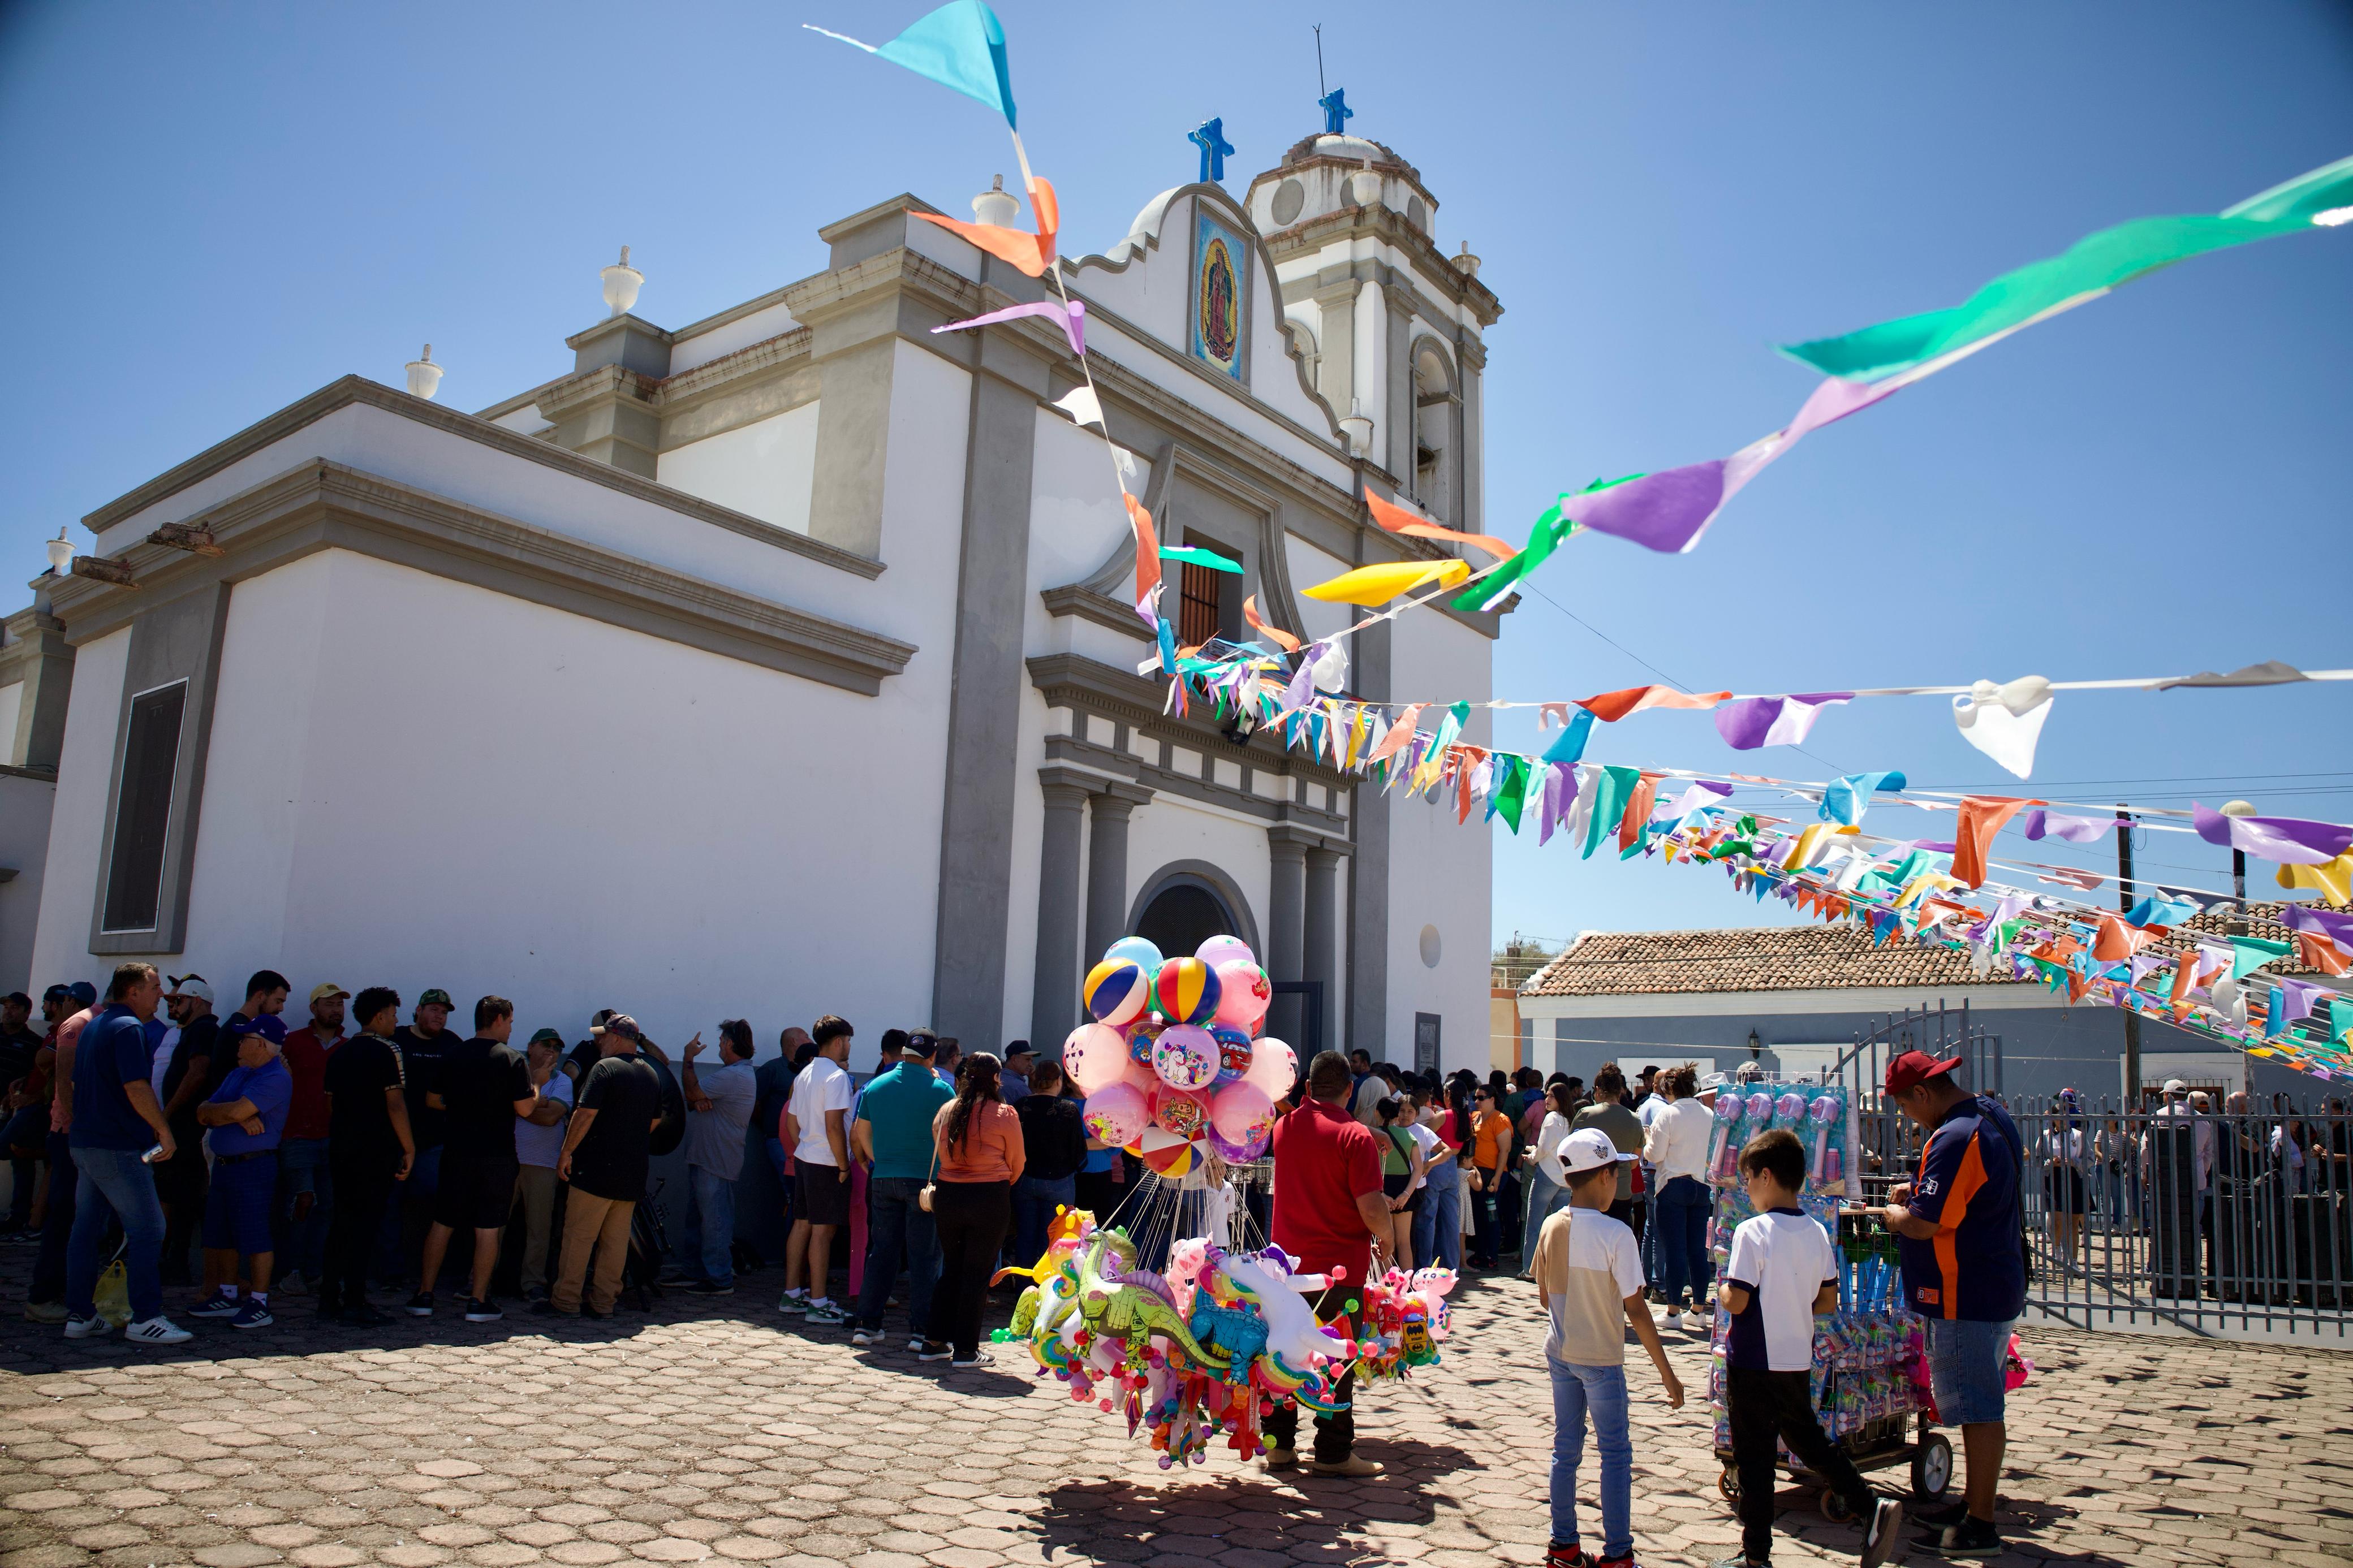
column 1589, row 1274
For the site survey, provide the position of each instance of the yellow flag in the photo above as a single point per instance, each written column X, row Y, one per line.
column 1372, row 586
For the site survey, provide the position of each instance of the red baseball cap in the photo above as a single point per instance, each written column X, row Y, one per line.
column 1913, row 1069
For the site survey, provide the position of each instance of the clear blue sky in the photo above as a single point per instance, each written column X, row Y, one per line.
column 216, row 209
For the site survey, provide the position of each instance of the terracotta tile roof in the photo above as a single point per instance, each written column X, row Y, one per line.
column 1774, row 958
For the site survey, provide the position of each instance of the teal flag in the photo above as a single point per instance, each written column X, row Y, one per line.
column 1195, row 557
column 1611, row 791
column 2089, row 268
column 960, row 45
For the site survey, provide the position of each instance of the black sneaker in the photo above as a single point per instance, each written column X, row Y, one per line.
column 1879, row 1531
column 480, row 1310
column 1973, row 1537
column 934, row 1350
column 707, row 1288
column 1943, row 1514
column 363, row 1315
column 421, row 1305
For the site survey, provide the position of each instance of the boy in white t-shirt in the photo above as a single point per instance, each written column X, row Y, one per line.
column 1782, row 1271
column 1589, row 1274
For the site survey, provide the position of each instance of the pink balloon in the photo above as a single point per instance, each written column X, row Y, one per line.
column 1220, row 951
column 1186, row 1057
column 1244, row 994
column 1095, row 1057
column 1273, row 1067
column 1241, row 1111
column 1117, row 1115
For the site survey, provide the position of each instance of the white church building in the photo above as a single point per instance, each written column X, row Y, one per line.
column 778, row 664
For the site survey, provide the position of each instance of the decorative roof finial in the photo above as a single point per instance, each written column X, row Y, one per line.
column 1337, row 113
column 1211, row 138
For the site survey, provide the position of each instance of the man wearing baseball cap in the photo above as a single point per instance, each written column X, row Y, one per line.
column 194, row 1066
column 422, row 1043
column 247, row 1118
column 305, row 1187
column 1961, row 1238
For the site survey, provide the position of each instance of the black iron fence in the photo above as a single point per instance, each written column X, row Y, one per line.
column 2228, row 1220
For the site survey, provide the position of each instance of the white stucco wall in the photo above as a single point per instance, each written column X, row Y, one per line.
column 78, row 824
column 1440, row 873
column 763, row 469
column 1170, row 828
column 620, row 821
column 1308, row 566
column 698, row 345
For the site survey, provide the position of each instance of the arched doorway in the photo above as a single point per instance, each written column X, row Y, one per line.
column 1186, row 903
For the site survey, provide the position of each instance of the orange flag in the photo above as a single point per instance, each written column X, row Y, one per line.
column 2117, row 941
column 1147, row 552
column 1611, row 706
column 1982, row 818
column 1032, row 253
column 1276, row 634
column 1399, row 733
column 1639, row 802
column 1397, row 519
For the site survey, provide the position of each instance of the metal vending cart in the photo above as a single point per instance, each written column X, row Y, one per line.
column 1865, row 1353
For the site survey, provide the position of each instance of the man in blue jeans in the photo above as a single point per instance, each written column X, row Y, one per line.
column 892, row 1139
column 1960, row 1237
column 718, row 1108
column 115, row 1121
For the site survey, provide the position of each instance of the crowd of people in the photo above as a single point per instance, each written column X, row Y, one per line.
column 326, row 1161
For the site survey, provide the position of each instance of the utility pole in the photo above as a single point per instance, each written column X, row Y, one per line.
column 2125, row 898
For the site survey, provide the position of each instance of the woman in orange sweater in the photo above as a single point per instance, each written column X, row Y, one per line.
column 977, row 1142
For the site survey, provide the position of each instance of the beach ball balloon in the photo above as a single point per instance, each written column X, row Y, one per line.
column 1095, row 1057
column 1242, row 1110
column 1183, row 1111
column 1184, row 1056
column 1167, row 1154
column 1185, row 991
column 1244, row 993
column 1220, row 951
column 1117, row 991
column 1117, row 1115
column 1233, row 1051
column 1136, row 951
column 1274, row 1067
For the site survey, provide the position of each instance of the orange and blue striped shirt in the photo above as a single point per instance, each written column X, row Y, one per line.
column 1974, row 1266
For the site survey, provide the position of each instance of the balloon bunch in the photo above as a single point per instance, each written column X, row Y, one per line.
column 1212, row 1347
column 1173, row 1067
column 1403, row 1319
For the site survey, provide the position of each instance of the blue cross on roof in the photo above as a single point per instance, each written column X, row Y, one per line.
column 1211, row 138
column 1337, row 113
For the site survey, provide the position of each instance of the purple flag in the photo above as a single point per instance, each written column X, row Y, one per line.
column 2074, row 829
column 1754, row 721
column 2289, row 840
column 1668, row 511
column 1073, row 320
column 2323, row 924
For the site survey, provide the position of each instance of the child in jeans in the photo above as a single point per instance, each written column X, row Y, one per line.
column 1589, row 1274
column 1782, row 1271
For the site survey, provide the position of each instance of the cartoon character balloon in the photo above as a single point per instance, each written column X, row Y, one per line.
column 1181, row 1111
column 1233, row 1051
column 1220, row 951
column 1241, row 1111
column 1186, row 1057
column 1117, row 1115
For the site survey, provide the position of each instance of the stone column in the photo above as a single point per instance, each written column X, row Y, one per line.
column 1054, row 993
column 1286, row 909
column 1320, row 960
column 1107, row 865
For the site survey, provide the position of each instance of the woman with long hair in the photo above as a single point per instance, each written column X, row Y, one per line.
column 1401, row 1172
column 977, row 1153
column 1547, row 1178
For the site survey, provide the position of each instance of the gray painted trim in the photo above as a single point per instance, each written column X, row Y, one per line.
column 1367, row 936
column 1078, row 599
column 975, row 885
column 174, row 642
column 326, row 506
column 1203, row 790
column 1074, row 681
column 37, row 656
column 1054, row 1004
column 1215, row 879
column 354, row 389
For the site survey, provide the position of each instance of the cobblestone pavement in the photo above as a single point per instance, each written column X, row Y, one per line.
column 696, row 1434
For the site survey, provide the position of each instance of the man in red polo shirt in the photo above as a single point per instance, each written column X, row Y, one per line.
column 1330, row 1214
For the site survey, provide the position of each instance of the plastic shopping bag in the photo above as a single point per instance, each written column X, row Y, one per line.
column 113, row 1294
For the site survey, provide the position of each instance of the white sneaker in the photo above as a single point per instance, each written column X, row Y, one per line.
column 963, row 1363
column 1693, row 1324
column 156, row 1331
column 90, row 1328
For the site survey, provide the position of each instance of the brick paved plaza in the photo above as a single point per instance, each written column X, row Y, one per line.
column 729, row 1435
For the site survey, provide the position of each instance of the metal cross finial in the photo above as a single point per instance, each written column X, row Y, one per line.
column 1211, row 138
column 1337, row 113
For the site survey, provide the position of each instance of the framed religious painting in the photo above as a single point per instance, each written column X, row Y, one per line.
column 1220, row 286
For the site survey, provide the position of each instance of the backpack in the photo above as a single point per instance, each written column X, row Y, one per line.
column 671, row 1132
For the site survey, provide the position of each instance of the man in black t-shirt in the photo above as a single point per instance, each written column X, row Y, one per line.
column 201, row 1059
column 606, row 1148
column 422, row 1043
column 481, row 1086
column 370, row 1148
